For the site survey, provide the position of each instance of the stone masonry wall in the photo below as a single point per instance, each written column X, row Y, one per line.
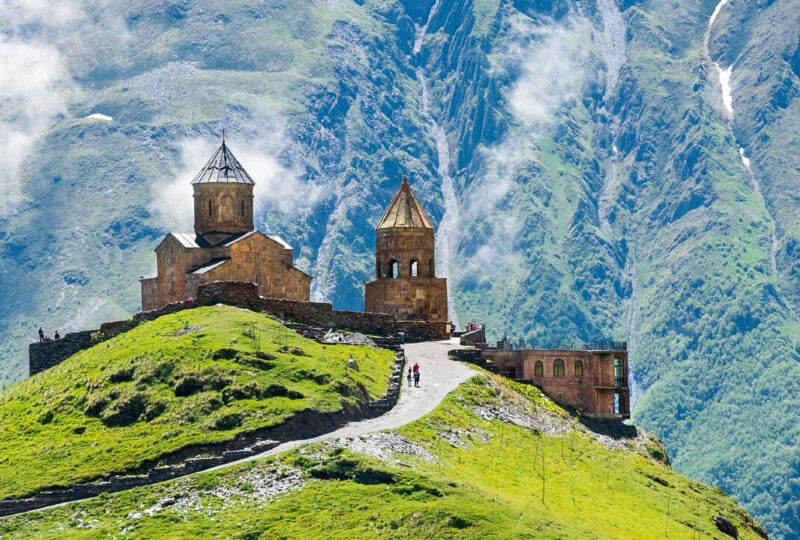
column 245, row 295
column 241, row 294
column 46, row 355
column 408, row 298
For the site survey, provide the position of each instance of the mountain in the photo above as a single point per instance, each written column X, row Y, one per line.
column 495, row 458
column 588, row 176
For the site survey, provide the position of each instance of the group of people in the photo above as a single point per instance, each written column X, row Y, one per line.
column 473, row 326
column 413, row 373
column 43, row 338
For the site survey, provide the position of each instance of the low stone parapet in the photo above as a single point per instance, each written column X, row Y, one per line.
column 45, row 355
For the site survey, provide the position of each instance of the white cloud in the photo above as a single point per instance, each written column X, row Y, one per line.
column 172, row 201
column 550, row 61
column 35, row 85
column 41, row 12
column 547, row 64
column 34, row 89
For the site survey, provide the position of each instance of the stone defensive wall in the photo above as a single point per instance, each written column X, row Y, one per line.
column 245, row 295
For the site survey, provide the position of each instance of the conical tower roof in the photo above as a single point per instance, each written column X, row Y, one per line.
column 404, row 211
column 223, row 168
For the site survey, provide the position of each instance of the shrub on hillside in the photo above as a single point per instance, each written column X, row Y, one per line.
column 277, row 390
column 122, row 375
column 126, row 410
column 158, row 373
column 224, row 354
column 154, row 410
column 226, row 421
column 191, row 383
column 257, row 363
column 187, row 385
column 96, row 404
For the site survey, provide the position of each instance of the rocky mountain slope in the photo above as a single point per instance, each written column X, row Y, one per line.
column 590, row 172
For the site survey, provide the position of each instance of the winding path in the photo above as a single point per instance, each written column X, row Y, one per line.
column 438, row 377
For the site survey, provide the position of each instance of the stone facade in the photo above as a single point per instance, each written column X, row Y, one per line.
column 594, row 382
column 224, row 245
column 402, row 298
column 405, row 285
column 225, row 208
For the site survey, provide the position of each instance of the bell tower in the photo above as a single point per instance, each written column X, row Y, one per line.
column 405, row 284
column 223, row 197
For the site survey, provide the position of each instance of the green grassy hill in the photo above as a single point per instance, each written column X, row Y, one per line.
column 495, row 460
column 199, row 376
column 599, row 189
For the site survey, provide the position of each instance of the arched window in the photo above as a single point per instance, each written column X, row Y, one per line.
column 395, row 266
column 578, row 368
column 414, row 265
column 378, row 268
column 558, row 367
column 242, row 211
column 209, row 207
column 431, row 268
column 538, row 369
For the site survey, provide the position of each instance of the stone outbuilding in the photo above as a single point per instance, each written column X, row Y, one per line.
column 406, row 286
column 225, row 245
column 593, row 380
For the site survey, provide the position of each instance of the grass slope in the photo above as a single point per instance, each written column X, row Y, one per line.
column 197, row 376
column 496, row 460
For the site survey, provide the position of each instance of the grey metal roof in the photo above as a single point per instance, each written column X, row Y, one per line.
column 210, row 265
column 234, row 238
column 281, row 241
column 190, row 240
column 223, row 168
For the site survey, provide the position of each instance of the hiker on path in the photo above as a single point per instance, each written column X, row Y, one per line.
column 415, row 369
column 408, row 377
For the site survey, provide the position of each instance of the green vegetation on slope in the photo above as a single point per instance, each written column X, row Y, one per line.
column 197, row 376
column 496, row 460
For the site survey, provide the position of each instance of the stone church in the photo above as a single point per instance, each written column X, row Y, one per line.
column 225, row 245
column 406, row 285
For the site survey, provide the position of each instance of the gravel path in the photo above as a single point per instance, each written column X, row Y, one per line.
column 438, row 377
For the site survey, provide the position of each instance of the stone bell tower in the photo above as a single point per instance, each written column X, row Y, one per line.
column 406, row 285
column 223, row 197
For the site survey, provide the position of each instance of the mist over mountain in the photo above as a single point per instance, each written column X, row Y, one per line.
column 595, row 170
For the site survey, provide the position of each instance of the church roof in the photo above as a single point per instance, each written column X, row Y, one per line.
column 405, row 211
column 281, row 241
column 223, row 168
column 210, row 265
column 190, row 240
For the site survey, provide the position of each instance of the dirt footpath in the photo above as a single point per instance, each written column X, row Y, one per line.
column 438, row 377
